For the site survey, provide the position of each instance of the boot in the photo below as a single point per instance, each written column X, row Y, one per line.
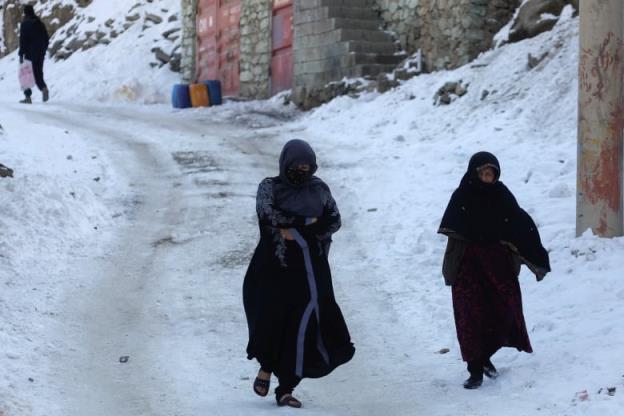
column 46, row 94
column 473, row 382
column 26, row 100
column 476, row 375
column 489, row 370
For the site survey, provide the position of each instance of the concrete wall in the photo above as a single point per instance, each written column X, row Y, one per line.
column 339, row 38
column 255, row 61
column 450, row 33
column 316, row 60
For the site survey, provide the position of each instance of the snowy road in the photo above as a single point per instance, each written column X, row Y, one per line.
column 127, row 230
column 162, row 287
column 159, row 295
column 166, row 293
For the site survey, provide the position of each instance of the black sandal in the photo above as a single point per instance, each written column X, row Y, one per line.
column 290, row 401
column 263, row 384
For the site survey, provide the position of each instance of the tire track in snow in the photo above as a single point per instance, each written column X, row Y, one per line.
column 121, row 309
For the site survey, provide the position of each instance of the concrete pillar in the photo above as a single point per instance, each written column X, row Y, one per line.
column 188, row 41
column 601, row 118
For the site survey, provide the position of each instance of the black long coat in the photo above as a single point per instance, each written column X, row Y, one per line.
column 34, row 39
column 295, row 326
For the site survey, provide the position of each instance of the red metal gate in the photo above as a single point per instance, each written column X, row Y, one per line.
column 218, row 43
column 207, row 59
column 282, row 65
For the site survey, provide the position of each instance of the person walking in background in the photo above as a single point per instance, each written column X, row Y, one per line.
column 33, row 45
column 296, row 329
column 489, row 237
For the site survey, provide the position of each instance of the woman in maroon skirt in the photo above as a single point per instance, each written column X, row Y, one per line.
column 490, row 236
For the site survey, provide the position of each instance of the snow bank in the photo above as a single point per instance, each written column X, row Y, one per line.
column 51, row 210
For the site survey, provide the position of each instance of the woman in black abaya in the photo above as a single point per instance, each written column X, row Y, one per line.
column 296, row 329
column 490, row 236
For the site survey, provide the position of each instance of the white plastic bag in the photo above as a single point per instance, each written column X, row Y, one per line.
column 26, row 75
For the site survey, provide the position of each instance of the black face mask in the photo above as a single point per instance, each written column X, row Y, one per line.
column 296, row 176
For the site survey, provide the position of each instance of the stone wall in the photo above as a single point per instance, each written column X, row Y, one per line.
column 450, row 33
column 401, row 18
column 189, row 33
column 255, row 57
column 454, row 32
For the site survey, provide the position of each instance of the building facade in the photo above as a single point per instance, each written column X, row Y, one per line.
column 260, row 47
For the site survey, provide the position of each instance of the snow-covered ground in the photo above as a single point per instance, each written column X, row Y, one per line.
column 396, row 159
column 119, row 72
column 147, row 262
column 52, row 211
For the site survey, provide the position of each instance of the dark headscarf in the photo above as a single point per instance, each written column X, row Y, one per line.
column 481, row 212
column 307, row 198
column 29, row 11
column 34, row 38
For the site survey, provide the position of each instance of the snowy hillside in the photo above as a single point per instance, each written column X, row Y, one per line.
column 109, row 52
column 183, row 184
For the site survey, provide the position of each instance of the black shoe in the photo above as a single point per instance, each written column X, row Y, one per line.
column 474, row 382
column 46, row 95
column 489, row 370
column 26, row 100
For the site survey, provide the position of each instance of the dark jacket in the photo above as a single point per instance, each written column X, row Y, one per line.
column 34, row 39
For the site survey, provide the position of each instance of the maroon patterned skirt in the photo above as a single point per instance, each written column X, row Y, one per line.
column 488, row 304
